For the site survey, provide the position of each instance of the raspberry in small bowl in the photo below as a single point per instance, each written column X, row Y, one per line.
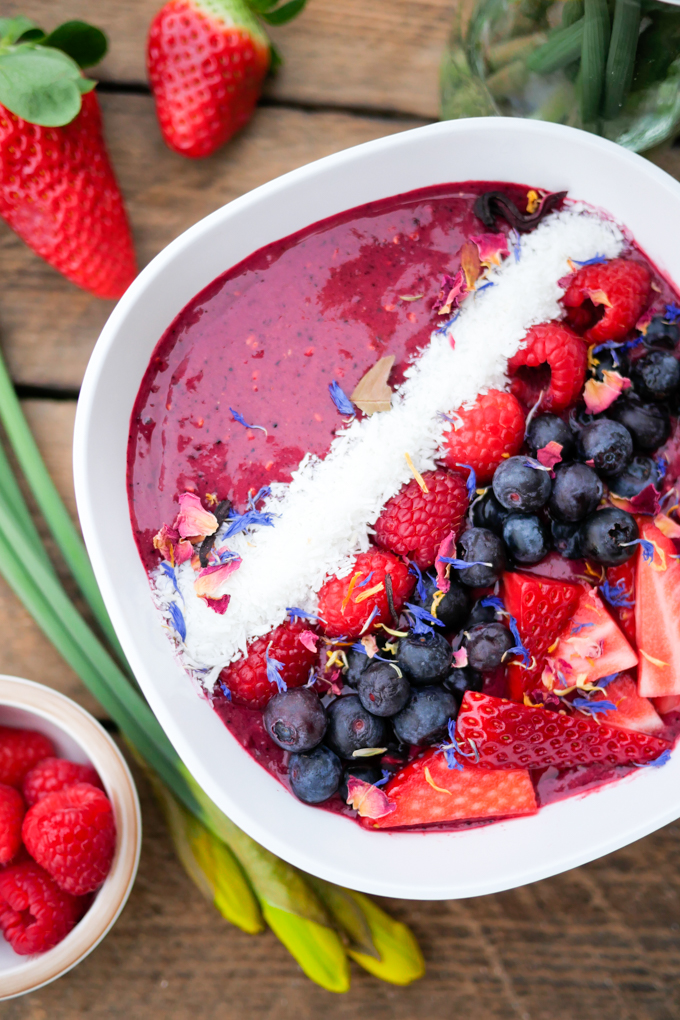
column 70, row 833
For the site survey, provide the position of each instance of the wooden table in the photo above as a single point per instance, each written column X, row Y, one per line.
column 599, row 943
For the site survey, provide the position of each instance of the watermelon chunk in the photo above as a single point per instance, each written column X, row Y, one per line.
column 510, row 736
column 541, row 608
column 657, row 616
column 621, row 585
column 671, row 703
column 632, row 711
column 591, row 645
column 428, row 792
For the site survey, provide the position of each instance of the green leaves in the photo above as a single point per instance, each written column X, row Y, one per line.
column 274, row 15
column 40, row 75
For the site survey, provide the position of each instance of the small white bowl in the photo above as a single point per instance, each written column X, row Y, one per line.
column 78, row 737
column 413, row 865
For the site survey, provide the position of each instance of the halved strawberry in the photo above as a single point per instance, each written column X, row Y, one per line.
column 427, row 791
column 541, row 608
column 591, row 645
column 657, row 615
column 632, row 711
column 621, row 588
column 510, row 736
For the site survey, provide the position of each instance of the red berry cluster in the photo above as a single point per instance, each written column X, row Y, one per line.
column 57, row 840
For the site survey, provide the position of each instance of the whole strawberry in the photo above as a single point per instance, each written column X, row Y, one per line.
column 207, row 60
column 414, row 523
column 57, row 188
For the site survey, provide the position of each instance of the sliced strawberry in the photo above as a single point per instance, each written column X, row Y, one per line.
column 541, row 608
column 591, row 645
column 657, row 616
column 510, row 736
column 621, row 590
column 427, row 791
column 632, row 711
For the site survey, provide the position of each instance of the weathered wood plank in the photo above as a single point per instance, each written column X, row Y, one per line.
column 48, row 327
column 382, row 54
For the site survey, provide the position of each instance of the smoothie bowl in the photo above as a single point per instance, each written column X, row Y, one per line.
column 377, row 472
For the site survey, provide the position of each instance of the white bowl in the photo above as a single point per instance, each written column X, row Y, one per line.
column 78, row 737
column 414, row 865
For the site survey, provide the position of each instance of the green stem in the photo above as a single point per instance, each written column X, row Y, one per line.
column 13, row 496
column 51, row 505
column 621, row 58
column 563, row 47
column 593, row 59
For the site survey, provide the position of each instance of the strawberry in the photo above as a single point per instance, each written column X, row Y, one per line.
column 591, row 645
column 427, row 791
column 657, row 615
column 485, row 434
column 347, row 603
column 510, row 736
column 248, row 679
column 414, row 523
column 632, row 711
column 553, row 362
column 541, row 608
column 619, row 591
column 620, row 287
column 207, row 60
column 57, row 188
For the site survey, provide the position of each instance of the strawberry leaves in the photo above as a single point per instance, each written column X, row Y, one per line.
column 40, row 75
column 274, row 15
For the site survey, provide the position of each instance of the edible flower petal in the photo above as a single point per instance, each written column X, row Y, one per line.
column 193, row 521
column 550, row 454
column 598, row 396
column 177, row 618
column 211, row 580
column 672, row 312
column 423, row 622
column 309, row 639
column 300, row 614
column 241, row 420
column 274, row 668
column 667, row 526
column 164, row 541
column 453, row 289
column 594, row 707
column 368, row 800
column 616, row 595
column 470, row 264
column 184, row 550
column 460, row 658
column 663, row 759
column 340, row 399
column 491, row 247
column 470, row 481
column 414, row 569
column 446, row 547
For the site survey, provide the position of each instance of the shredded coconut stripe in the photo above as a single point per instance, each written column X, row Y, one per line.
column 325, row 513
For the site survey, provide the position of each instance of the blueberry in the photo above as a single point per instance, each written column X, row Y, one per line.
column 383, row 689
column 486, row 645
column 576, row 492
column 661, row 333
column 425, row 716
column 610, row 361
column 648, row 424
column 656, row 375
column 548, row 428
column 295, row 719
column 351, row 727
column 605, row 536
column 478, row 545
column 367, row 773
column 526, row 538
column 488, row 513
column 567, row 539
column 424, row 657
column 453, row 609
column 461, row 680
column 521, row 484
column 607, row 444
column 641, row 471
column 315, row 775
column 480, row 614
column 357, row 662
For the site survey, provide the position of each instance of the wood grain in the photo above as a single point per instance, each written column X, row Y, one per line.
column 380, row 54
column 48, row 327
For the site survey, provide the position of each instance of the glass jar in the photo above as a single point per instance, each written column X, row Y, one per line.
column 609, row 66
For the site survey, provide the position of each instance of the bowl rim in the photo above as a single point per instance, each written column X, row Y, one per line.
column 33, row 972
column 333, row 853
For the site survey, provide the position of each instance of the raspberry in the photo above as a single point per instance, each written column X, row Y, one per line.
column 35, row 913
column 553, row 360
column 620, row 287
column 414, row 523
column 247, row 677
column 492, row 427
column 351, row 618
column 72, row 835
column 11, row 817
column 52, row 774
column 20, row 750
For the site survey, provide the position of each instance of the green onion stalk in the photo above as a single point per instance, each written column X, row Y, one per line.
column 320, row 924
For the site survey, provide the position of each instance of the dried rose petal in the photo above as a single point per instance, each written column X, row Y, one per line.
column 193, row 521
column 368, row 800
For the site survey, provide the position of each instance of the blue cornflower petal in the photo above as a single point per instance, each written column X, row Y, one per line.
column 471, row 480
column 595, row 261
column 423, row 621
column 604, row 681
column 463, row 564
column 495, row 602
column 580, row 626
column 178, row 620
column 274, row 668
column 519, row 648
column 340, row 399
column 386, row 776
column 414, row 569
column 365, row 581
column 300, row 614
column 672, row 312
column 615, row 595
column 241, row 420
column 594, row 707
column 663, row 759
column 169, row 570
column 225, row 690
